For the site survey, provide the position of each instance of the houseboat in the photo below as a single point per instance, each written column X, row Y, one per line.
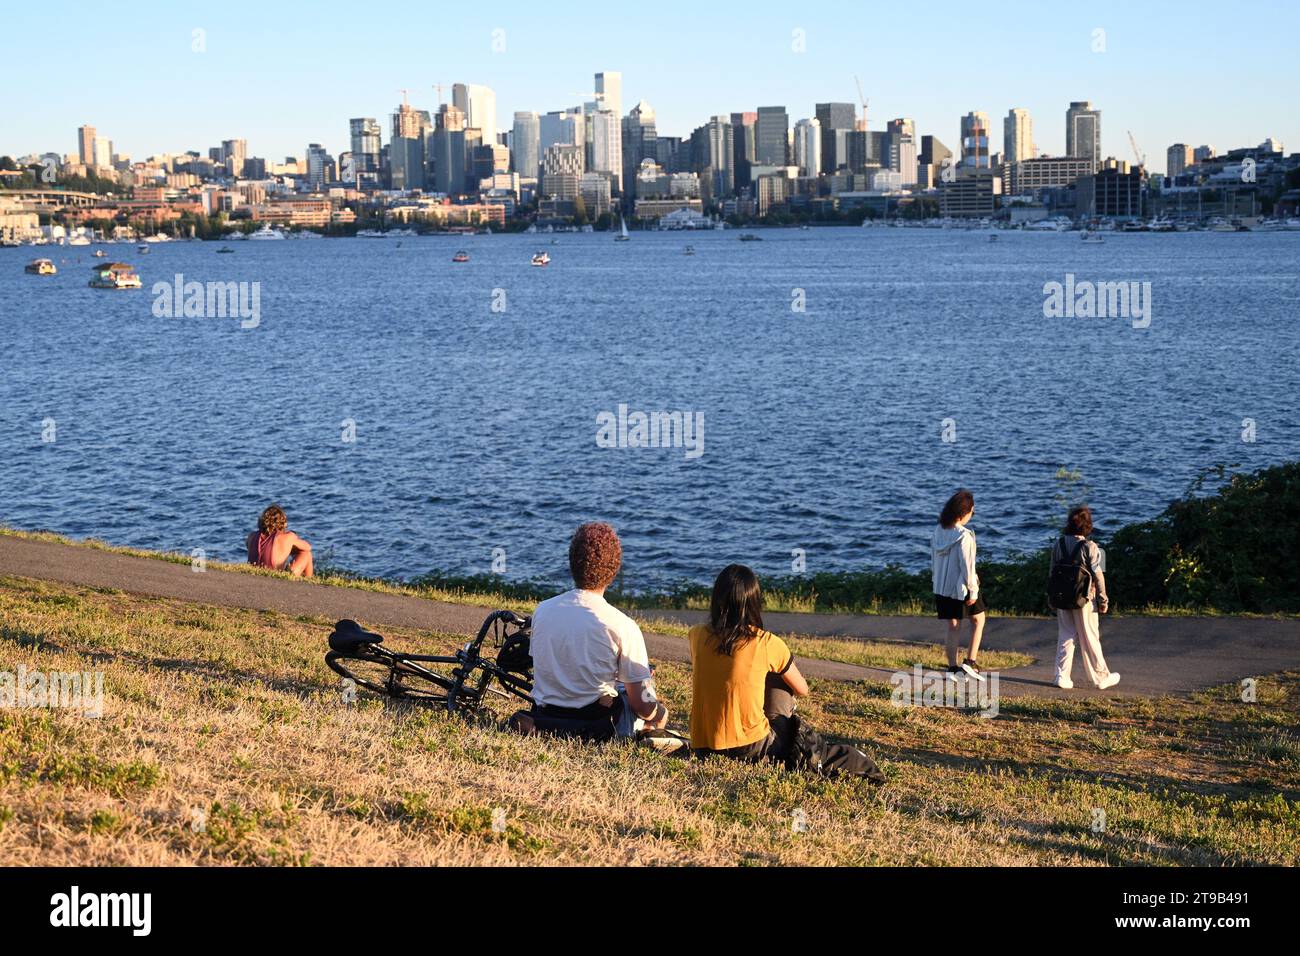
column 41, row 267
column 115, row 275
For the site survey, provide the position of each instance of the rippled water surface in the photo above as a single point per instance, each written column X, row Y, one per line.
column 477, row 429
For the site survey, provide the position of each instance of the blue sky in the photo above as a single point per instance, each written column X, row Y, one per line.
column 283, row 75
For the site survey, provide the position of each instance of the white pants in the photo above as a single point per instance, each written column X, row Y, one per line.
column 1080, row 625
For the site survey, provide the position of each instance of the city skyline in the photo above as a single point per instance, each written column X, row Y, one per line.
column 1153, row 84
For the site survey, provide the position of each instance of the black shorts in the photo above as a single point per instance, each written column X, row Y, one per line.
column 951, row 609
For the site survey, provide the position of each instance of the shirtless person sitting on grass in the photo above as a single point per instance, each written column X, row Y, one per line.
column 275, row 547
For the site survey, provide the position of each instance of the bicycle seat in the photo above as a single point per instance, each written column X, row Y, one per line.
column 348, row 635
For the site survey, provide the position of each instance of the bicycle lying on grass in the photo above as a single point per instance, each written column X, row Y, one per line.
column 496, row 662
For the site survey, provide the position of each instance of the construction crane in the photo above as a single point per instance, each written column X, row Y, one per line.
column 403, row 92
column 864, row 101
column 1137, row 153
column 438, row 87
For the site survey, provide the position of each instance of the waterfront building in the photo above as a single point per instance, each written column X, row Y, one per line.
column 1083, row 132
column 1044, row 172
column 808, row 147
column 971, row 194
column 1018, row 136
column 1114, row 192
column 1177, row 158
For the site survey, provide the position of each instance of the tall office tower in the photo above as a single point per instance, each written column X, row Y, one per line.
column 448, row 151
column 744, row 146
column 607, row 147
column 479, row 104
column 410, row 123
column 1203, row 154
column 1083, row 132
column 1177, row 159
column 526, row 145
column 365, row 135
column 319, row 162
column 808, row 147
column 713, row 151
column 562, row 169
column 934, row 155
column 103, row 151
column 836, row 119
column 562, row 128
column 86, row 145
column 235, row 152
column 771, row 133
column 975, row 140
column 900, row 152
column 640, row 142
column 1018, row 136
column 609, row 92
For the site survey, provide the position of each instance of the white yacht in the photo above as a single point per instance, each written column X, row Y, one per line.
column 266, row 232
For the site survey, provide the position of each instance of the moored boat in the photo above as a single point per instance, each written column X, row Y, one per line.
column 115, row 275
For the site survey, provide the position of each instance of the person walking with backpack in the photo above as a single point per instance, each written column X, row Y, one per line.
column 1076, row 588
column 956, row 585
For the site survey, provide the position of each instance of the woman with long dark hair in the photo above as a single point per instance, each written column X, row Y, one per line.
column 1079, row 625
column 957, row 594
column 744, row 685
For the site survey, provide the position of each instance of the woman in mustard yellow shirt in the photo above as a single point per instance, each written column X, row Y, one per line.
column 744, row 682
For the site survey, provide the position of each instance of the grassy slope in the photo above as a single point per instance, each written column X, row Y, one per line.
column 230, row 718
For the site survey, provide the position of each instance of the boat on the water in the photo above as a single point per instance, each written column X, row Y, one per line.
column 688, row 251
column 115, row 275
column 143, row 250
column 224, row 249
column 541, row 259
column 622, row 234
column 461, row 256
column 1090, row 236
column 41, row 267
column 750, row 237
column 100, row 253
column 266, row 232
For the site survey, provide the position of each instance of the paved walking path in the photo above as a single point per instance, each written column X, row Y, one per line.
column 1155, row 655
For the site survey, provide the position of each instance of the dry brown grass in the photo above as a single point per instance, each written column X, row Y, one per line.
column 226, row 740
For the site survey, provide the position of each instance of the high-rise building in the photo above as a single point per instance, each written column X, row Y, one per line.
column 640, row 142
column 607, row 147
column 1203, row 153
column 1018, row 136
column 836, row 119
column 234, row 153
column 450, row 151
column 365, row 136
column 562, row 128
column 86, row 145
column 319, row 166
column 609, row 92
column 975, row 141
column 744, row 146
column 103, row 152
column 562, row 169
column 1177, row 159
column 771, row 135
column 526, row 145
column 900, row 150
column 479, row 105
column 808, row 147
column 410, row 123
column 713, row 151
column 1083, row 132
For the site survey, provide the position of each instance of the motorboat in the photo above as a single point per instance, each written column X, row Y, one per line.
column 541, row 259
column 41, row 267
column 115, row 275
column 461, row 256
column 266, row 232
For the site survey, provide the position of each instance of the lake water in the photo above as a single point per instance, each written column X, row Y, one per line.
column 477, row 429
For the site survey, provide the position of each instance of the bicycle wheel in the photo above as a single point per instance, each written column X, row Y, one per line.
column 390, row 677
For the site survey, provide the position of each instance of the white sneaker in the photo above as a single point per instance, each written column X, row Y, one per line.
column 1109, row 682
column 1065, row 683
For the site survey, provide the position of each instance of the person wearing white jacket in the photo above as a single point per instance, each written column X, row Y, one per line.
column 956, row 583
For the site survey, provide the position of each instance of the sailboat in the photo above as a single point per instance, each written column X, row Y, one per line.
column 622, row 234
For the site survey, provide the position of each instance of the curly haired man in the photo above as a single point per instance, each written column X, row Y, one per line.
column 591, row 672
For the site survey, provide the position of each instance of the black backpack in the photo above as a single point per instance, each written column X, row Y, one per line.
column 1070, row 578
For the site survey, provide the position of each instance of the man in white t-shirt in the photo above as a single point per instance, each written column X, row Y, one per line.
column 591, row 673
